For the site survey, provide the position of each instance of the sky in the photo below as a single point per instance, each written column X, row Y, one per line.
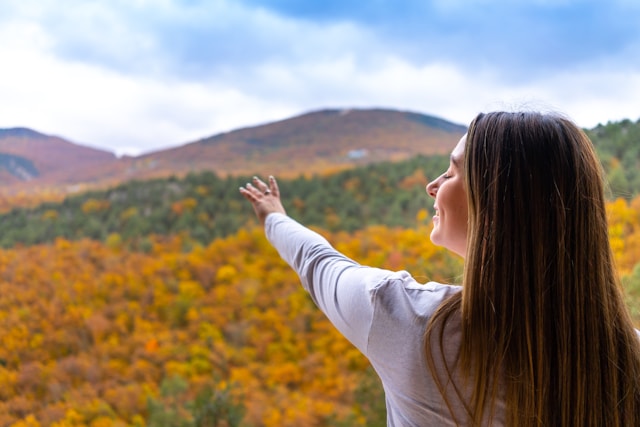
column 136, row 76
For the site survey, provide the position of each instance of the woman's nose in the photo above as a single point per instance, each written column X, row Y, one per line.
column 432, row 188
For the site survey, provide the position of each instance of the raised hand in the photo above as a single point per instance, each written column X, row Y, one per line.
column 264, row 198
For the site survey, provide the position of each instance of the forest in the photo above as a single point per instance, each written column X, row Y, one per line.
column 160, row 303
column 206, row 206
column 618, row 145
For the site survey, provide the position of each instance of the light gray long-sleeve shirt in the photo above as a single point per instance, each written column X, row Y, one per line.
column 383, row 313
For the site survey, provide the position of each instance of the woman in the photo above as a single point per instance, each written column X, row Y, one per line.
column 537, row 335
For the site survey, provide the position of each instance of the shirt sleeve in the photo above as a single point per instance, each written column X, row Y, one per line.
column 339, row 286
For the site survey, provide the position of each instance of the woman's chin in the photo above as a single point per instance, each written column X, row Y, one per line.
column 434, row 236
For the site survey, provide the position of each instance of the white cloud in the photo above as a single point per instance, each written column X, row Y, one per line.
column 128, row 76
column 134, row 114
column 597, row 97
column 99, row 107
column 458, row 94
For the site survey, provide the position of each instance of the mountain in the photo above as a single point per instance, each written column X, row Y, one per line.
column 27, row 156
column 316, row 142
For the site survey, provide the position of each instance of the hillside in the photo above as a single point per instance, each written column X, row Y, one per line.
column 321, row 141
column 158, row 330
column 315, row 142
column 159, row 302
column 207, row 206
column 27, row 156
column 35, row 168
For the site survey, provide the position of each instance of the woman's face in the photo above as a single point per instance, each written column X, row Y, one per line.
column 450, row 218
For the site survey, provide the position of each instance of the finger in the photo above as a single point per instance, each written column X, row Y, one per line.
column 248, row 195
column 264, row 189
column 273, row 185
column 255, row 192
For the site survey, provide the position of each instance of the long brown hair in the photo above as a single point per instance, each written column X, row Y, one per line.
column 543, row 321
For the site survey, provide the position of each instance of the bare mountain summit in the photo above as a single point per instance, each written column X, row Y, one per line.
column 314, row 142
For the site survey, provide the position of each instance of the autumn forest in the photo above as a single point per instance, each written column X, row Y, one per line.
column 160, row 302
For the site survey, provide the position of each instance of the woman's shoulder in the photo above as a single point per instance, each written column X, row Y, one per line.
column 402, row 309
column 403, row 282
column 400, row 294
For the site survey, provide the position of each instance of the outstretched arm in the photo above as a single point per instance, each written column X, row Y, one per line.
column 340, row 287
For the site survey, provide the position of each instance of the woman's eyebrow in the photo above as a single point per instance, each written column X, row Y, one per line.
column 454, row 161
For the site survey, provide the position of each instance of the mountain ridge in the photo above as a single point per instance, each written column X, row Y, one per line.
column 322, row 139
column 313, row 142
column 21, row 132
